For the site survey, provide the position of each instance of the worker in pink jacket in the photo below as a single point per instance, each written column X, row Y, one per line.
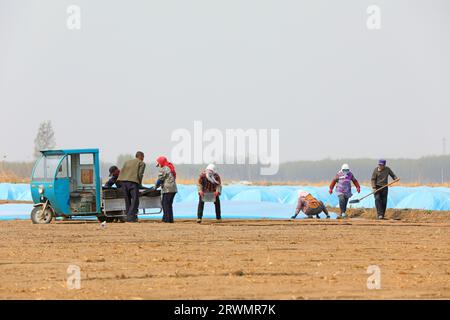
column 343, row 182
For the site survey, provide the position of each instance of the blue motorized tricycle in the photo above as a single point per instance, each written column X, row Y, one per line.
column 67, row 183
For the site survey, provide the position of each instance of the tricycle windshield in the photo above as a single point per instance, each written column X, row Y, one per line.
column 45, row 168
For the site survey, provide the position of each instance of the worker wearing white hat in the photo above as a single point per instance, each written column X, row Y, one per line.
column 209, row 182
column 344, row 179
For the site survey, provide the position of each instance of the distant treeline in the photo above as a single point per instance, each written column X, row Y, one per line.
column 432, row 169
column 426, row 170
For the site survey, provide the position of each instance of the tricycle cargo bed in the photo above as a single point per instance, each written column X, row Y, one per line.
column 116, row 193
column 113, row 200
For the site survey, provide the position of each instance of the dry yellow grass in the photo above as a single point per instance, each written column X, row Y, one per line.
column 11, row 178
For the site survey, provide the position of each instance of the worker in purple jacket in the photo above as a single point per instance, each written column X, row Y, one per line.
column 344, row 179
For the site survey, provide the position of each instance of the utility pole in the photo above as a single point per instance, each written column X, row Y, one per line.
column 444, row 152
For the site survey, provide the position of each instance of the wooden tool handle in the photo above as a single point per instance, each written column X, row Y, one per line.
column 389, row 184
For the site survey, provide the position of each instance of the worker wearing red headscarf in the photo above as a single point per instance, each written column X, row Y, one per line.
column 167, row 181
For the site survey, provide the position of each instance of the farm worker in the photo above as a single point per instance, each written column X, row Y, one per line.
column 309, row 205
column 113, row 176
column 209, row 181
column 344, row 179
column 167, row 181
column 131, row 177
column 380, row 178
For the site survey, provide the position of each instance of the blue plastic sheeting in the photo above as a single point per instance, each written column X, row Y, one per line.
column 16, row 192
column 230, row 210
column 241, row 210
column 15, row 211
column 427, row 198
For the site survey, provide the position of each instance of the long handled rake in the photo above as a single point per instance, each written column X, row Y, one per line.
column 389, row 184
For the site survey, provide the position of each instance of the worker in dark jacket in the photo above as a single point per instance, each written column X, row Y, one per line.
column 167, row 181
column 113, row 176
column 380, row 178
column 131, row 177
column 209, row 181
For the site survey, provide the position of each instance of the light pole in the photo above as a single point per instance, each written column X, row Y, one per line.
column 444, row 152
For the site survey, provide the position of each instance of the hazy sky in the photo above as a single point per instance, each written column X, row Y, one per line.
column 137, row 70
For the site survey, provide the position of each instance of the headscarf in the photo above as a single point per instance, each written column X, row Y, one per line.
column 210, row 172
column 163, row 162
column 303, row 193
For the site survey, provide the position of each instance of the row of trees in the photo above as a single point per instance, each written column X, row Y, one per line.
column 45, row 138
column 20, row 171
column 426, row 170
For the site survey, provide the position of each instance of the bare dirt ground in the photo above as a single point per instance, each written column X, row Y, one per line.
column 13, row 201
column 234, row 259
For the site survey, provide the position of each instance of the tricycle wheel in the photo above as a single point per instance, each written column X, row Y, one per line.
column 38, row 216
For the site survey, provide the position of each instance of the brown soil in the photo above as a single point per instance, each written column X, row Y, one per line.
column 14, row 201
column 405, row 215
column 234, row 259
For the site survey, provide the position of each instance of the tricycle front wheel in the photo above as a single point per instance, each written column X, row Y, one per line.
column 39, row 216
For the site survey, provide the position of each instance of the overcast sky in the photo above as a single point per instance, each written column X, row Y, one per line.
column 137, row 70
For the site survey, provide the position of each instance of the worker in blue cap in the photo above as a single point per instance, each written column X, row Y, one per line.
column 380, row 179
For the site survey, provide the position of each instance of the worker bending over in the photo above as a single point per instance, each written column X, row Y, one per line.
column 309, row 205
column 209, row 182
column 114, row 173
column 131, row 177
